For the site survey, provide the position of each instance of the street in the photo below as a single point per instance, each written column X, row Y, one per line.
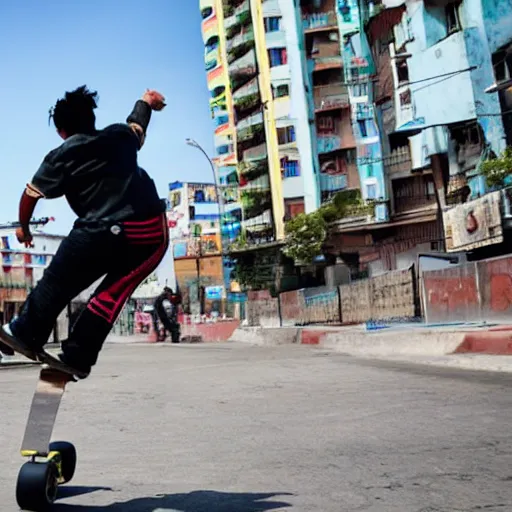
column 233, row 427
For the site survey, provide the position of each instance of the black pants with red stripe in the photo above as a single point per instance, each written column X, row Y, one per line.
column 125, row 254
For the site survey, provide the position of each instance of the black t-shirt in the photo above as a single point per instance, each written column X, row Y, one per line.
column 99, row 176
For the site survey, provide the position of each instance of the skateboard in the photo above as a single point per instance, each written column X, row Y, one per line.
column 51, row 463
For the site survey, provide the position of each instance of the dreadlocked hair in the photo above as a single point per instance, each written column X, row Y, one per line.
column 75, row 112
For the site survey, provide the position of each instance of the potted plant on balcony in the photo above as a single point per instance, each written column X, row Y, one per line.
column 497, row 170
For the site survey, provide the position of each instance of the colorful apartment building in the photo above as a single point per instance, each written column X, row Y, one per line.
column 268, row 118
column 194, row 227
column 389, row 103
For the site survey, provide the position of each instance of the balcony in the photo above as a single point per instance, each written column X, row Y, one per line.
column 399, row 163
column 328, row 143
column 256, row 153
column 319, row 21
column 331, row 183
column 239, row 39
column 330, row 97
column 243, row 70
column 323, row 63
column 413, row 193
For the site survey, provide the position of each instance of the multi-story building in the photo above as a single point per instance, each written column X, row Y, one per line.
column 193, row 218
column 266, row 119
column 388, row 100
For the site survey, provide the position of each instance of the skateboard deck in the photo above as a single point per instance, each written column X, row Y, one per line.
column 43, row 411
column 57, row 364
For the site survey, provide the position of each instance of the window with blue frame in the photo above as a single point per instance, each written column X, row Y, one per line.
column 371, row 191
column 272, row 23
column 291, row 168
column 277, row 57
column 220, row 120
column 286, row 135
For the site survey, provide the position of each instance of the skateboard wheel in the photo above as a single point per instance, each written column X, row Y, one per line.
column 37, row 486
column 68, row 458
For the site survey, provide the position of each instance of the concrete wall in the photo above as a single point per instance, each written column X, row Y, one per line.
column 262, row 309
column 384, row 297
column 470, row 292
column 486, row 31
column 438, row 101
column 497, row 15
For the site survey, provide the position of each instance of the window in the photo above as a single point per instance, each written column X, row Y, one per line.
column 362, row 128
column 405, row 98
column 277, row 57
column 206, row 12
column 281, row 91
column 290, row 168
column 220, row 120
column 293, row 207
column 286, row 135
column 218, row 91
column 402, row 71
column 371, row 191
column 212, row 44
column 452, row 17
column 326, row 125
column 360, row 89
column 272, row 24
column 502, row 61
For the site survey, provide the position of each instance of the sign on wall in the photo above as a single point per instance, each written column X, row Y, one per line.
column 474, row 224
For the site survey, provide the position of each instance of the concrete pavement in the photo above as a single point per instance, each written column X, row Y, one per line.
column 240, row 428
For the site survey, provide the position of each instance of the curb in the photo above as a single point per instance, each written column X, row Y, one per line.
column 492, row 342
column 417, row 341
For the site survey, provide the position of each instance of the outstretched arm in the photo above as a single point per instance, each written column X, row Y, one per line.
column 46, row 183
column 140, row 116
column 28, row 202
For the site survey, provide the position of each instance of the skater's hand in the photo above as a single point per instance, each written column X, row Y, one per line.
column 24, row 237
column 154, row 99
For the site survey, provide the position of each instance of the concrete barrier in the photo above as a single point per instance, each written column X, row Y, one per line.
column 493, row 342
column 267, row 336
column 414, row 341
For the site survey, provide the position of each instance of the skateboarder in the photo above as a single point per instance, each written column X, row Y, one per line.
column 120, row 233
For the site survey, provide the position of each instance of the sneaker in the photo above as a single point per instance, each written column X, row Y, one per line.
column 13, row 344
column 82, row 370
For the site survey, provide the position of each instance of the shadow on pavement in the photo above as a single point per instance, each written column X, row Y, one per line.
column 197, row 501
column 68, row 491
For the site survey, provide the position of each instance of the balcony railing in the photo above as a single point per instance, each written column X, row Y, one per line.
column 413, row 202
column 319, row 20
column 399, row 162
column 328, row 143
column 247, row 61
column 256, row 153
column 239, row 39
column 332, row 62
column 333, row 182
column 332, row 96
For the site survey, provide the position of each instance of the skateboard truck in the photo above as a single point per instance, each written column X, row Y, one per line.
column 51, row 463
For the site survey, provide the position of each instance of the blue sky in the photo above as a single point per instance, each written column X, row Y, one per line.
column 119, row 48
